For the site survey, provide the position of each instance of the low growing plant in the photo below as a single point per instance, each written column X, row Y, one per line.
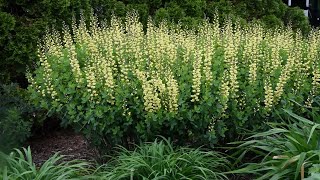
column 160, row 160
column 289, row 150
column 19, row 165
column 16, row 117
column 314, row 172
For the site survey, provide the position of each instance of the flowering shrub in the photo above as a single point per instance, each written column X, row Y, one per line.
column 117, row 83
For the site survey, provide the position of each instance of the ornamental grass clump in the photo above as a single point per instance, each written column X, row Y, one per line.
column 289, row 150
column 117, row 83
column 19, row 165
column 160, row 160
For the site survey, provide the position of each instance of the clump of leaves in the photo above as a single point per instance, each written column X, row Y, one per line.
column 15, row 128
column 159, row 160
column 17, row 117
column 288, row 150
column 19, row 165
column 314, row 172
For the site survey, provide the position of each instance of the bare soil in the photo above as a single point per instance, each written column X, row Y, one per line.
column 64, row 141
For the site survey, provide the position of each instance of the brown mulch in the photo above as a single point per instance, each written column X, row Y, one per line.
column 66, row 142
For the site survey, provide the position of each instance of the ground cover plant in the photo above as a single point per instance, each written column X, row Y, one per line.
column 157, row 160
column 314, row 172
column 117, row 83
column 19, row 165
column 289, row 150
column 160, row 160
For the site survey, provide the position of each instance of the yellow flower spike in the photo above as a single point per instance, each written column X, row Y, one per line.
column 196, row 73
column 269, row 95
column 224, row 91
column 104, row 57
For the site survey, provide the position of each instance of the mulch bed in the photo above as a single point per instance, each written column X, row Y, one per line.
column 49, row 141
column 64, row 141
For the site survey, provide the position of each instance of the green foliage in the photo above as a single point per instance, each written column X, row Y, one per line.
column 161, row 14
column 314, row 169
column 193, row 8
column 223, row 8
column 17, row 117
column 14, row 127
column 289, row 150
column 24, row 22
column 314, row 172
column 256, row 9
column 19, row 44
column 7, row 25
column 14, row 130
column 142, row 10
column 175, row 11
column 272, row 21
column 270, row 13
column 295, row 17
column 19, row 165
column 159, row 160
column 115, row 89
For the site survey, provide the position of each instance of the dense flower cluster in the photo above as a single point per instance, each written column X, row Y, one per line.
column 118, row 70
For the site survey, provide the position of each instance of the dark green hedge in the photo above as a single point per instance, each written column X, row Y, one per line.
column 22, row 22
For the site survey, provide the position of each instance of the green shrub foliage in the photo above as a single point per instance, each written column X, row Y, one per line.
column 23, row 22
column 14, row 129
column 116, row 82
column 17, row 117
column 314, row 172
